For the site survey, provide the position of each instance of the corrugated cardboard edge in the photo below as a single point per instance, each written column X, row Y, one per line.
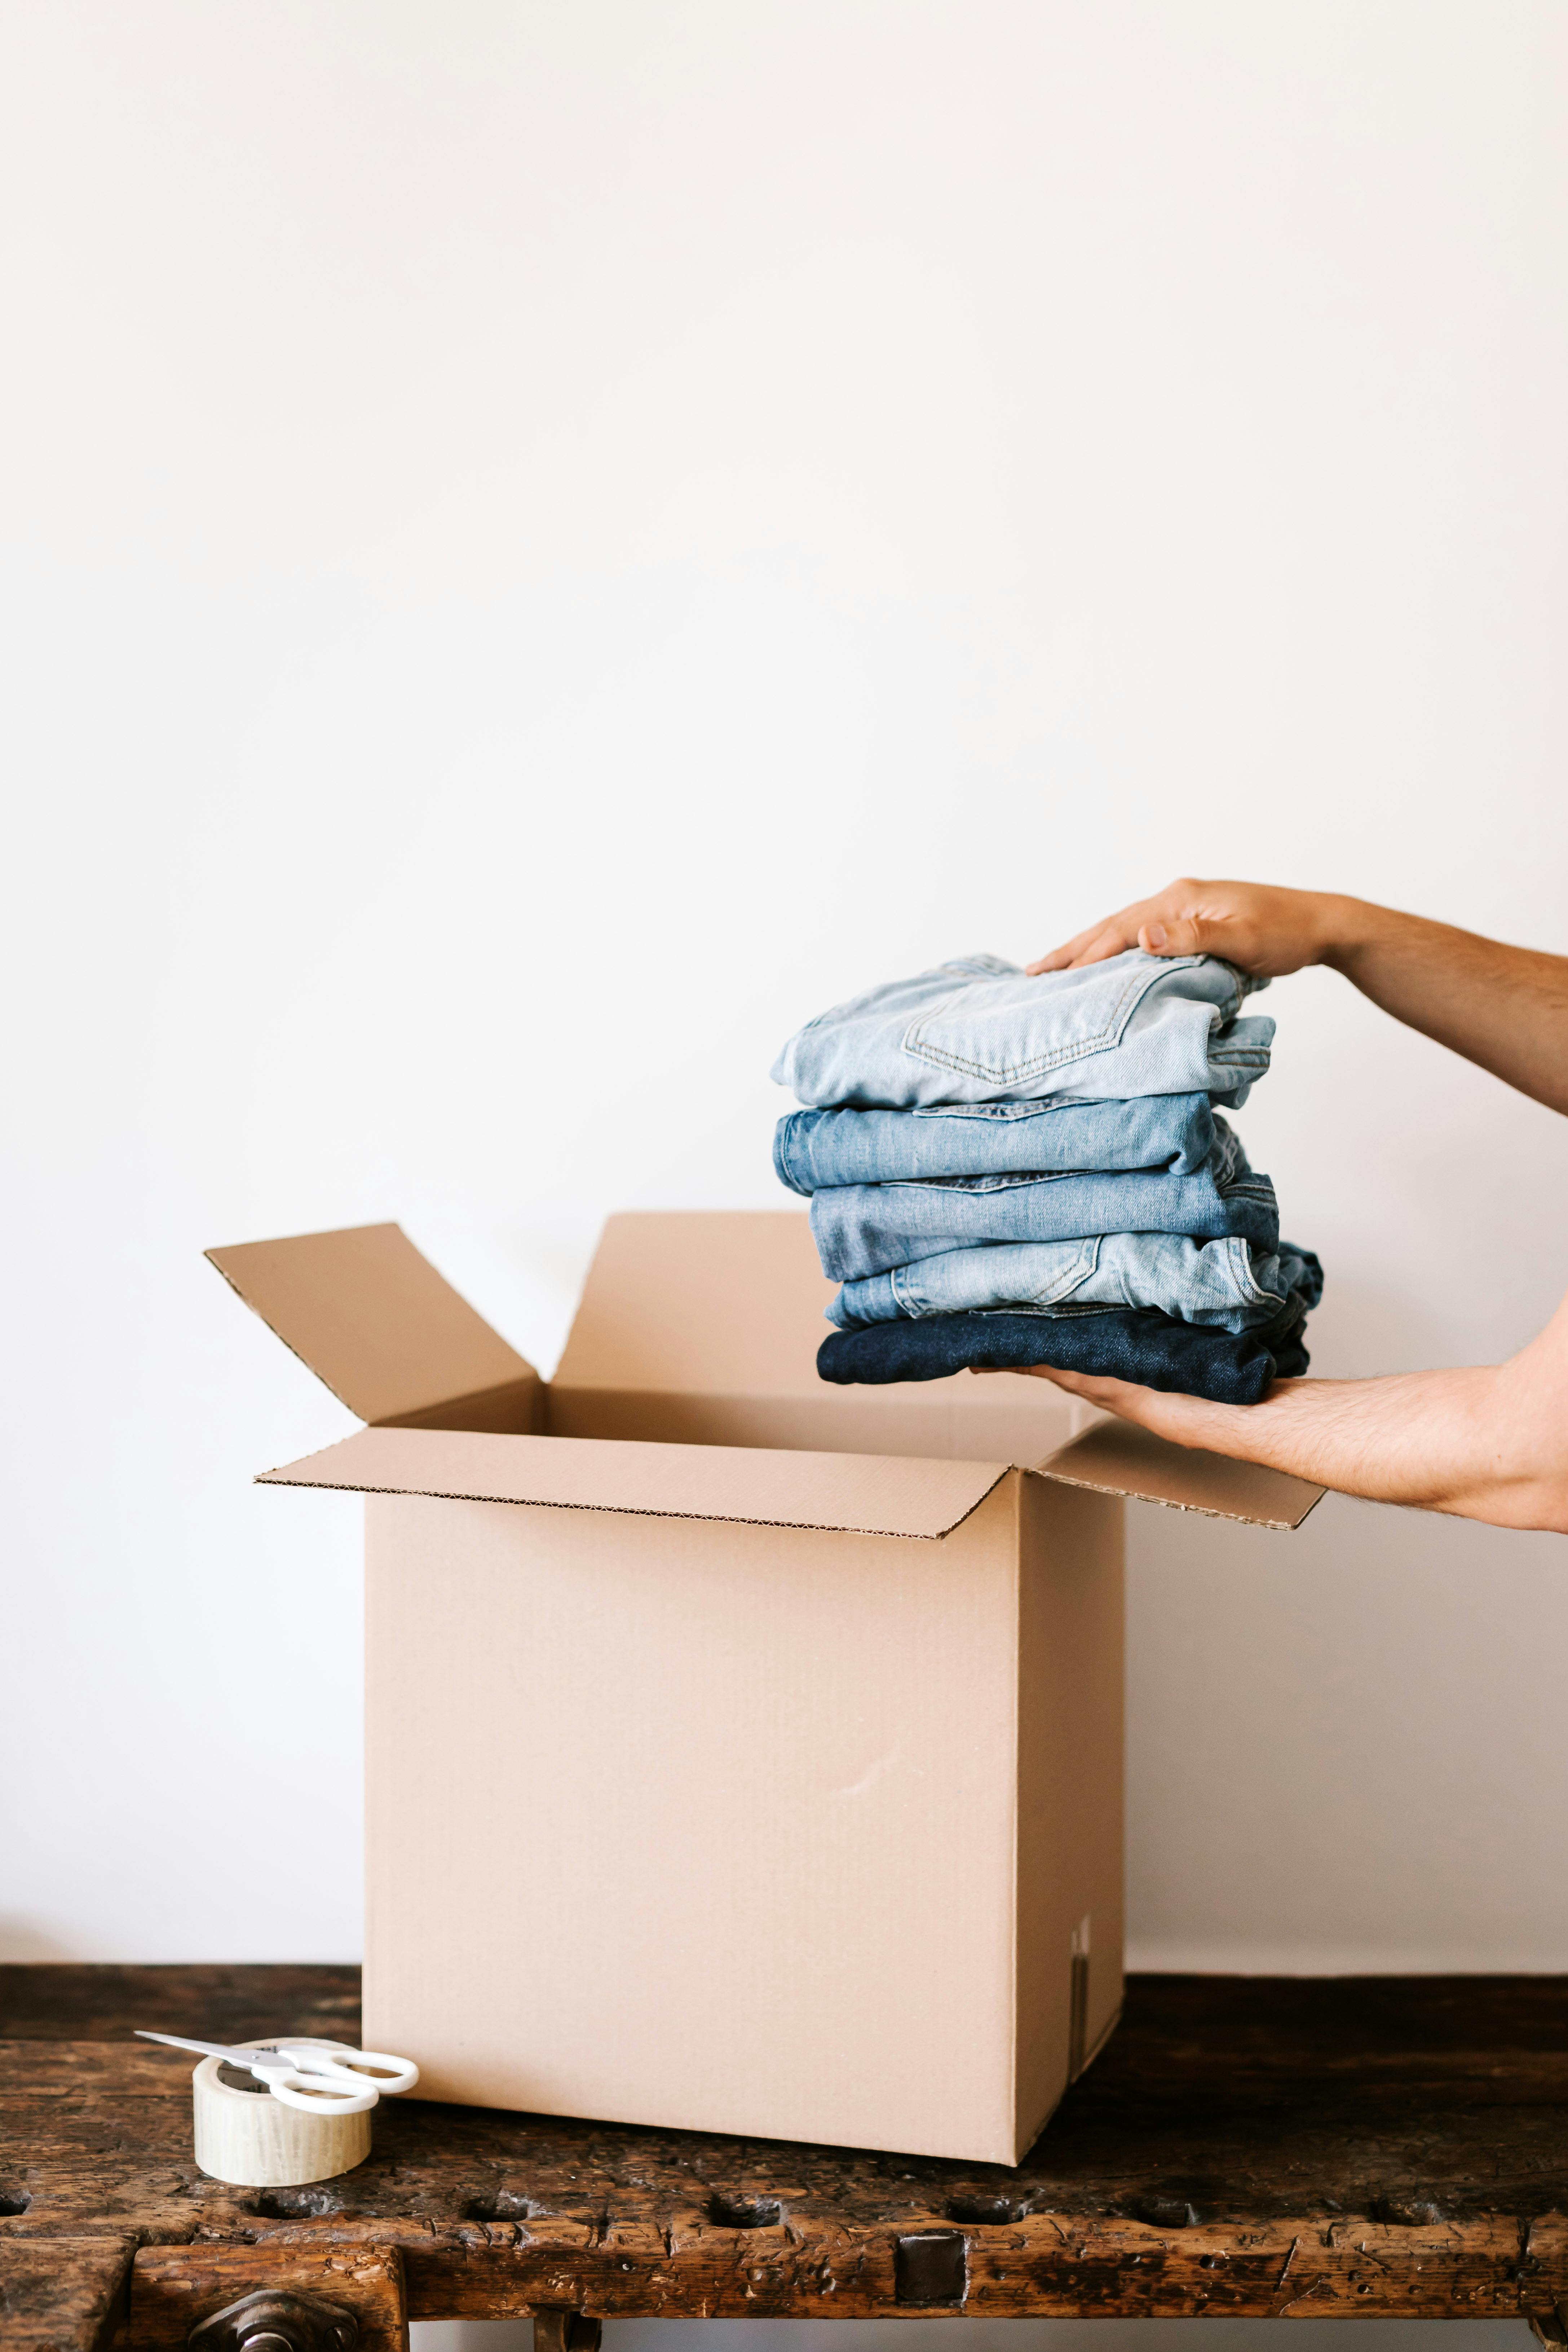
column 373, row 1317
column 214, row 1258
column 350, row 1454
column 635, row 1477
column 1119, row 1458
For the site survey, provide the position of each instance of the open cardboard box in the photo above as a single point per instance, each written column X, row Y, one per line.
column 743, row 1753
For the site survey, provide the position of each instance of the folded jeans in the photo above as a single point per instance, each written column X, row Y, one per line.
column 1223, row 1285
column 1139, row 1344
column 868, row 1229
column 979, row 1030
column 816, row 1148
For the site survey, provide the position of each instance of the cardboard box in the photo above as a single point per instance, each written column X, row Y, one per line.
column 743, row 1753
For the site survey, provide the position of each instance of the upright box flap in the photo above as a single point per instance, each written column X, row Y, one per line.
column 701, row 1302
column 860, row 1494
column 373, row 1319
column 1119, row 1458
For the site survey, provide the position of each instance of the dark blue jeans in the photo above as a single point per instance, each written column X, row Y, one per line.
column 1118, row 1343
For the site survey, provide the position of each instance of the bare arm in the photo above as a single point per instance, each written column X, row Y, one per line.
column 1505, row 1008
column 1487, row 1442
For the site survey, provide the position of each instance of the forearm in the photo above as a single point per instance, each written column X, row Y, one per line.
column 1503, row 1007
column 1474, row 1443
column 1506, row 1008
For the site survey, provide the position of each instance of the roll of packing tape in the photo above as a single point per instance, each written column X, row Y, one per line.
column 254, row 2141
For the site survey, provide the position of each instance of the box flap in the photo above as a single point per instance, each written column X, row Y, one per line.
column 861, row 1494
column 374, row 1320
column 1119, row 1458
column 701, row 1302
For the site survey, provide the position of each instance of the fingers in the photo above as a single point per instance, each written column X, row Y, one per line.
column 1164, row 926
column 1175, row 936
column 1060, row 957
column 1114, row 1396
column 1110, row 937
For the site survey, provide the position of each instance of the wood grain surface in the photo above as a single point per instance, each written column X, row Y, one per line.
column 61, row 2294
column 176, row 2287
column 1251, row 2146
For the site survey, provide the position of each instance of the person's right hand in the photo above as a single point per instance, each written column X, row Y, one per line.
column 1259, row 928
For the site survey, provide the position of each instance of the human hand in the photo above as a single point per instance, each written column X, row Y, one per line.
column 1127, row 1399
column 1185, row 1419
column 1260, row 930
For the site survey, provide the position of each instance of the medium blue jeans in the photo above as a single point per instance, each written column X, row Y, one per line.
column 814, row 1148
column 1222, row 1284
column 980, row 1030
column 867, row 1229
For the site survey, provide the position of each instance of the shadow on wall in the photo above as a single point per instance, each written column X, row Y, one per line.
column 20, row 1940
column 996, row 2335
column 1364, row 1328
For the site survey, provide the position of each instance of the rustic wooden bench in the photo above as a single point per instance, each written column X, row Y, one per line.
column 1250, row 2147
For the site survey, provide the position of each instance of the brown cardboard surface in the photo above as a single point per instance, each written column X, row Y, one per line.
column 701, row 1328
column 1119, row 1458
column 696, row 1328
column 376, row 1323
column 867, row 1494
column 703, row 1302
column 1072, row 1646
column 962, row 1419
column 735, row 1828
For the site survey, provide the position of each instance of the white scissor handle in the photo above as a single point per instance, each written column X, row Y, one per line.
column 317, row 2095
column 342, row 2064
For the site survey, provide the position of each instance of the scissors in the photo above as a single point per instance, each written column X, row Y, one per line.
column 318, row 2076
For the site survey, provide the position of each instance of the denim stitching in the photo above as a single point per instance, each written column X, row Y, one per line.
column 998, row 1183
column 1073, row 1276
column 1239, row 1259
column 1009, row 1112
column 1137, row 987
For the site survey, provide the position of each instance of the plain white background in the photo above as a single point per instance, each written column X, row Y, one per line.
column 546, row 542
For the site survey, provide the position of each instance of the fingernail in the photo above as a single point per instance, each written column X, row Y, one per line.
column 1156, row 934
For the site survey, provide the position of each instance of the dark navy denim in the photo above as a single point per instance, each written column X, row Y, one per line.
column 867, row 1229
column 1230, row 1367
column 815, row 1148
column 980, row 1030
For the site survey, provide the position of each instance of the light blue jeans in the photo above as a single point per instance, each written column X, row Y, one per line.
column 1222, row 1284
column 816, row 1148
column 867, row 1229
column 979, row 1031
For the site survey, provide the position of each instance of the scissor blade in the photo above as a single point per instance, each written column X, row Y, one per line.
column 208, row 2049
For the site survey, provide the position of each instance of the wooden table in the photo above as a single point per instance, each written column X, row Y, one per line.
column 1376, row 2147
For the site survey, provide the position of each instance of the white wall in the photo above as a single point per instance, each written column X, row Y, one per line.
column 544, row 543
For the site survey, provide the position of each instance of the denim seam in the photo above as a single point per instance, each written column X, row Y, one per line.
column 1071, row 1278
column 1247, row 1283
column 782, row 1167
column 1010, row 1114
column 1133, row 995
column 972, row 1187
column 1074, row 1278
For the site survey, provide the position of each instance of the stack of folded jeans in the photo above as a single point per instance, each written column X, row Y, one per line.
column 1005, row 1172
